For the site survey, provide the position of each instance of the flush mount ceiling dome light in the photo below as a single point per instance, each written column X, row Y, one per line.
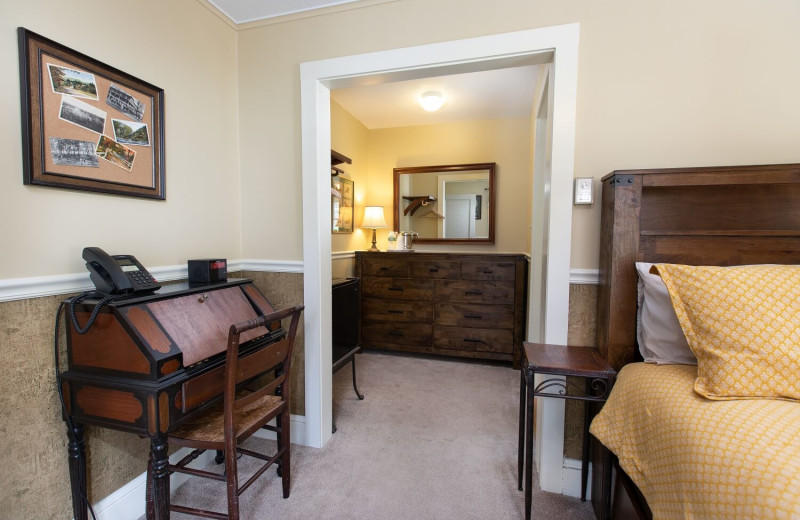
column 431, row 101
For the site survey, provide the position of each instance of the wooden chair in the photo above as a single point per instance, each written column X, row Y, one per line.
column 243, row 412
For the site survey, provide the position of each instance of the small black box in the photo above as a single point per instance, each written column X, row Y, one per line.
column 208, row 270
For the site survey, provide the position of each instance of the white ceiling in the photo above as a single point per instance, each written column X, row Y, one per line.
column 493, row 94
column 243, row 11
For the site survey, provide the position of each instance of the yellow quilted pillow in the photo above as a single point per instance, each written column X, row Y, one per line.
column 743, row 324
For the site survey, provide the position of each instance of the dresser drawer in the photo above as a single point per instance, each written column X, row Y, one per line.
column 488, row 270
column 396, row 288
column 375, row 309
column 397, row 333
column 433, row 269
column 475, row 315
column 490, row 293
column 476, row 340
column 383, row 266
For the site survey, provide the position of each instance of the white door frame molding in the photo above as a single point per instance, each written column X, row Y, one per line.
column 558, row 44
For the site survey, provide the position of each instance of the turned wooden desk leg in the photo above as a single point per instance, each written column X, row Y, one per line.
column 77, row 471
column 157, row 491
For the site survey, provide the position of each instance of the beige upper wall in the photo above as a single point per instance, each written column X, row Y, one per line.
column 377, row 152
column 179, row 46
column 350, row 138
column 671, row 84
column 502, row 141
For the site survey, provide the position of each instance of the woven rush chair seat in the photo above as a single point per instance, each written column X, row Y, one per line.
column 211, row 426
column 250, row 402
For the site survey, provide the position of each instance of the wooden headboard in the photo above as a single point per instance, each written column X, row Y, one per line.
column 732, row 215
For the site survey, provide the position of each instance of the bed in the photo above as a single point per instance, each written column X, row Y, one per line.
column 734, row 452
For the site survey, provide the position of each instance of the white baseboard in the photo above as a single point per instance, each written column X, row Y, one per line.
column 128, row 502
column 571, row 479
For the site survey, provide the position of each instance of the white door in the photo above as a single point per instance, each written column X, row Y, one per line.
column 459, row 221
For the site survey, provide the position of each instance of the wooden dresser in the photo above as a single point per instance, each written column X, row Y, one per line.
column 471, row 305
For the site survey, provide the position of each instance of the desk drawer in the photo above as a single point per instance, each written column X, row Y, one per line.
column 378, row 266
column 396, row 288
column 433, row 269
column 401, row 334
column 375, row 309
column 466, row 291
column 488, row 270
column 475, row 316
column 477, row 340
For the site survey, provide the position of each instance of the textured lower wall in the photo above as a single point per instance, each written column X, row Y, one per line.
column 35, row 483
column 582, row 331
column 284, row 290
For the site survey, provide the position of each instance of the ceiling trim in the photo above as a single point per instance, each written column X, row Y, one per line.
column 251, row 24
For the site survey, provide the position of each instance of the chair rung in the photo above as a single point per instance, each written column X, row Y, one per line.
column 196, row 472
column 263, row 468
column 188, row 458
column 198, row 512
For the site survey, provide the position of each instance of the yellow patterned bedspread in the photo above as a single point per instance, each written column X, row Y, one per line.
column 695, row 458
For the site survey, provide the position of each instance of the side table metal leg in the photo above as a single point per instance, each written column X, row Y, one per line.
column 360, row 397
column 528, row 443
column 585, row 454
column 521, row 443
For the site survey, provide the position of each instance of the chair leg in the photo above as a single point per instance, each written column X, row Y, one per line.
column 232, row 480
column 284, row 441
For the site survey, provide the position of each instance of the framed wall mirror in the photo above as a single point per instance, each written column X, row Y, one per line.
column 448, row 204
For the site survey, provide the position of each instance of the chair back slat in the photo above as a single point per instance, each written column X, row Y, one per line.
column 269, row 389
column 269, row 357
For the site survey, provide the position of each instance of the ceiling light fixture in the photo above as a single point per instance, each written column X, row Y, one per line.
column 431, row 101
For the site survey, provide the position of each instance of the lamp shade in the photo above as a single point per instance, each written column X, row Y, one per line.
column 373, row 217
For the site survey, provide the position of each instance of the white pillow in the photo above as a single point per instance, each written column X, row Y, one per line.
column 660, row 336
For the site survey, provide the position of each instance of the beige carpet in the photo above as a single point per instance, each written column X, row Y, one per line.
column 433, row 439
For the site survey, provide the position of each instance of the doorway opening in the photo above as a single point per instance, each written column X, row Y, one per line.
column 555, row 45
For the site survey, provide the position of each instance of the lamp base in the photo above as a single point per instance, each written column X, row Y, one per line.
column 374, row 248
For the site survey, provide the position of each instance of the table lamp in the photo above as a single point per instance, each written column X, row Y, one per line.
column 373, row 218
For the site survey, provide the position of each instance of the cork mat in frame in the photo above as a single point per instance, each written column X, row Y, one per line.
column 87, row 125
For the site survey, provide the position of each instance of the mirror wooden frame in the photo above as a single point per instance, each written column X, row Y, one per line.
column 448, row 168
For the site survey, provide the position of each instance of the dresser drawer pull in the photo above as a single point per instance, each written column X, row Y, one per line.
column 399, row 289
column 473, row 316
column 384, row 268
column 472, row 340
column 487, row 271
column 473, row 293
column 433, row 270
column 393, row 311
column 395, row 333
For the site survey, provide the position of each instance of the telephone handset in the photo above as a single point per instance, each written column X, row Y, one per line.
column 118, row 274
column 113, row 276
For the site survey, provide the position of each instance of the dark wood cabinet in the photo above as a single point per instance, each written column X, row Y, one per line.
column 469, row 305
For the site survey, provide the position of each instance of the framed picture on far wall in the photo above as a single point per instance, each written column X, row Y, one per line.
column 341, row 205
column 86, row 125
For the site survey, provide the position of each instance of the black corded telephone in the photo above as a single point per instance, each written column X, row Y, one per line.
column 114, row 277
column 118, row 274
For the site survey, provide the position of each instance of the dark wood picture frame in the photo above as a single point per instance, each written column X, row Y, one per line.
column 342, row 193
column 62, row 118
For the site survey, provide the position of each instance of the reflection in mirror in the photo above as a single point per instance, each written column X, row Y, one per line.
column 451, row 204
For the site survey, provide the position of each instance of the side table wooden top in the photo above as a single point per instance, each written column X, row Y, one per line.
column 565, row 360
